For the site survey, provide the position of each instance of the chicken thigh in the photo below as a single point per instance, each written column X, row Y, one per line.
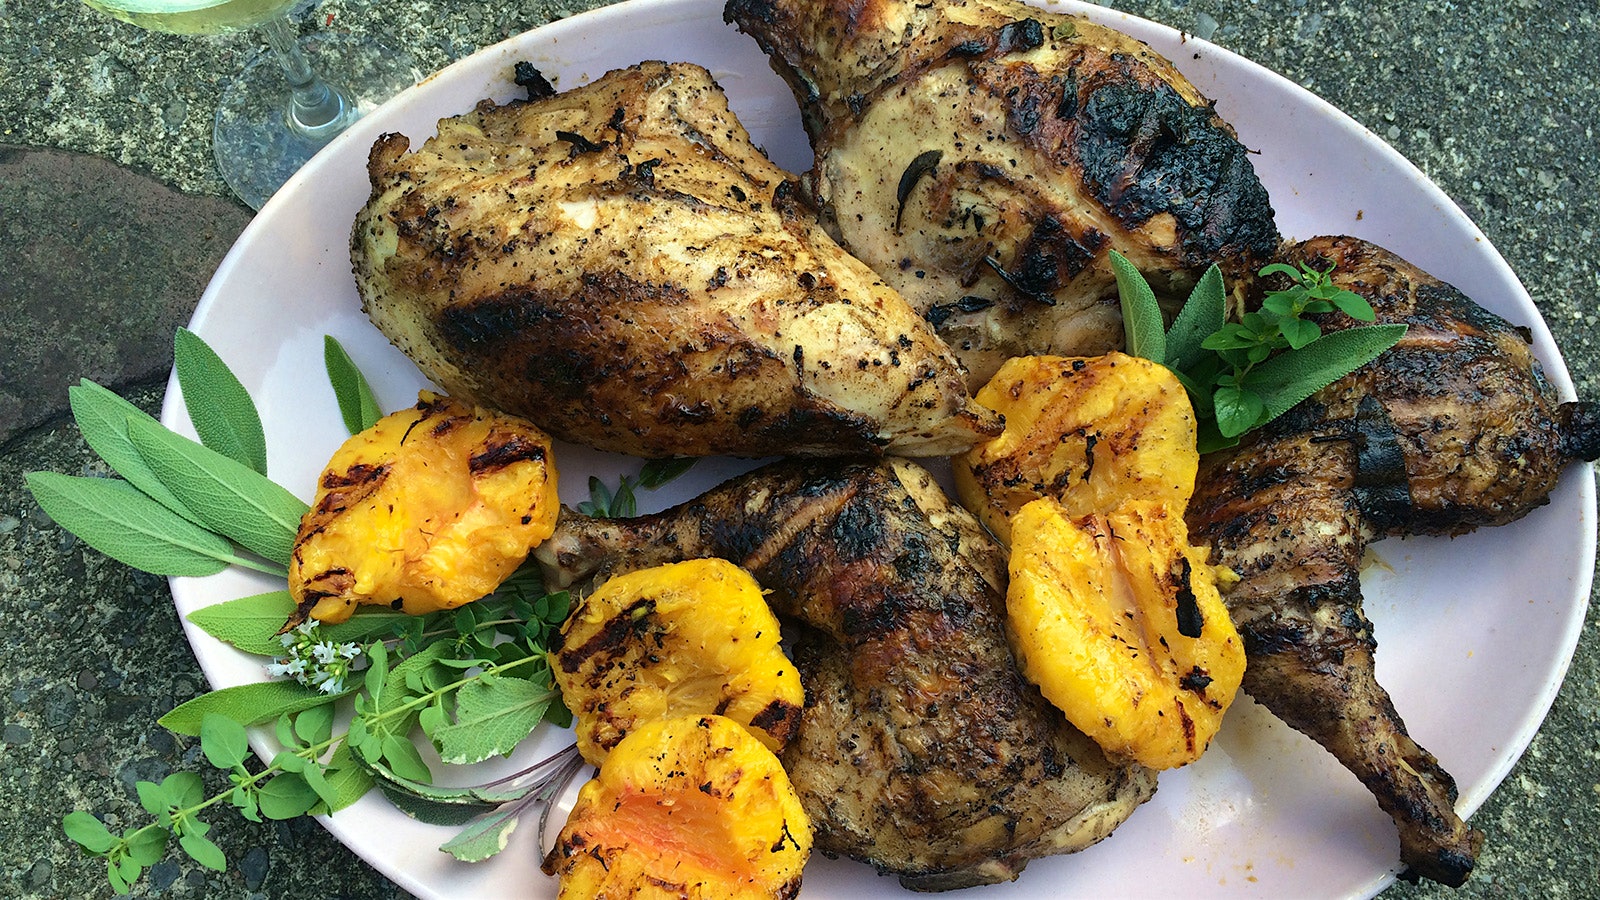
column 922, row 750
column 620, row 265
column 985, row 156
column 1452, row 429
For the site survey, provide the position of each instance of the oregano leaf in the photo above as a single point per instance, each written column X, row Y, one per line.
column 1144, row 332
column 87, row 832
column 357, row 404
column 118, row 520
column 228, row 497
column 147, row 846
column 203, row 851
column 347, row 780
column 223, row 741
column 286, row 796
column 402, row 756
column 183, row 789
column 219, row 407
column 314, row 725
column 1237, row 410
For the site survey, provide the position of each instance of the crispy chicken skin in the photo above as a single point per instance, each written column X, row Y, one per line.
column 620, row 265
column 1452, row 429
column 922, row 750
column 984, row 156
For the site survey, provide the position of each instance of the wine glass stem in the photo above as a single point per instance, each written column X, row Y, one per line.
column 317, row 110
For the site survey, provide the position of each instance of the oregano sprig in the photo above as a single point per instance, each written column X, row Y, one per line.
column 1242, row 374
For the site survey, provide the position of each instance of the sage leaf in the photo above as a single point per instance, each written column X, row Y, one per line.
column 248, row 623
column 657, row 472
column 228, row 497
column 426, row 809
column 357, row 405
column 117, row 519
column 492, row 716
column 1202, row 314
column 223, row 741
column 246, row 704
column 1286, row 379
column 87, row 832
column 485, row 836
column 221, row 409
column 1144, row 332
column 102, row 418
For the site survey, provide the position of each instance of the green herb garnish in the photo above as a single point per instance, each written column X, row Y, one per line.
column 621, row 502
column 1242, row 374
column 473, row 681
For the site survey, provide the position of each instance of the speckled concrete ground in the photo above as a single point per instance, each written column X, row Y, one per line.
column 1496, row 101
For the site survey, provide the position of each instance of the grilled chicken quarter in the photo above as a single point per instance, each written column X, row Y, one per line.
column 922, row 750
column 1452, row 429
column 985, row 156
column 620, row 265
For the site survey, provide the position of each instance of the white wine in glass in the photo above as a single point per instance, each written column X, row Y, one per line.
column 279, row 111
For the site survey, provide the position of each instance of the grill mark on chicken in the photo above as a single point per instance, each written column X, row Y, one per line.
column 921, row 749
column 1482, row 440
column 598, row 262
column 1039, row 117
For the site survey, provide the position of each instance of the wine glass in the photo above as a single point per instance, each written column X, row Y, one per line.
column 279, row 111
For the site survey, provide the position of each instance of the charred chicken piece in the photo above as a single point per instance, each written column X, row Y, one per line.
column 1452, row 429
column 984, row 156
column 922, row 750
column 620, row 265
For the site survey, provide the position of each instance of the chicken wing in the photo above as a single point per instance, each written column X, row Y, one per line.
column 620, row 265
column 922, row 750
column 984, row 156
column 1452, row 429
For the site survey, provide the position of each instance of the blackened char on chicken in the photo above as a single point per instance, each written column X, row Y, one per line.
column 985, row 156
column 1454, row 428
column 922, row 750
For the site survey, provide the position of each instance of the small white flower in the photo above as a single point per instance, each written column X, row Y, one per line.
column 278, row 668
column 349, row 650
column 324, row 652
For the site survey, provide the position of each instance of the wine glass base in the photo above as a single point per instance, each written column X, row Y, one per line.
column 255, row 149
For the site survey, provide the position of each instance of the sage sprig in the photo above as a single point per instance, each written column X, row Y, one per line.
column 1242, row 374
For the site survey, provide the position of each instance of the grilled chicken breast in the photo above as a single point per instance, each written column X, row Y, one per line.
column 921, row 750
column 984, row 157
column 1452, row 429
column 620, row 265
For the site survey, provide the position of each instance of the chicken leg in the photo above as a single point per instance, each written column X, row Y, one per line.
column 1452, row 429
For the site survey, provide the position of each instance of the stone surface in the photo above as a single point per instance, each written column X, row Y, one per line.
column 75, row 231
column 1496, row 101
